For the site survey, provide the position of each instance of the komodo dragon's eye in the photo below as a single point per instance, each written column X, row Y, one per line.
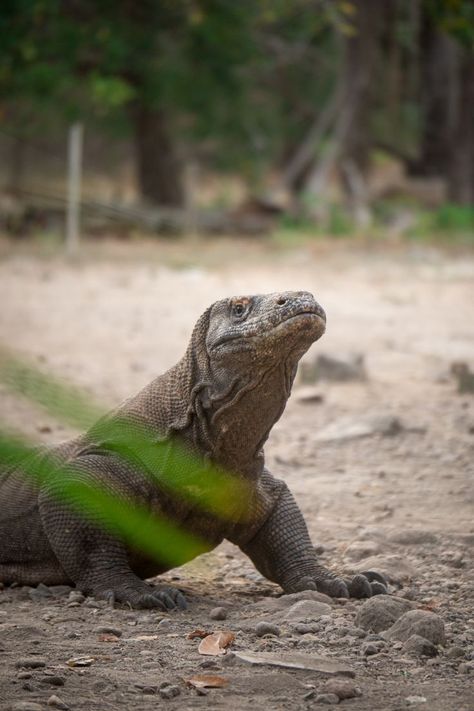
column 239, row 308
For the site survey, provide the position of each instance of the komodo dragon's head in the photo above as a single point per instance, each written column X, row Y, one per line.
column 265, row 328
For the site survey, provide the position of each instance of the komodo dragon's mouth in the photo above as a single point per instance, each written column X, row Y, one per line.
column 260, row 328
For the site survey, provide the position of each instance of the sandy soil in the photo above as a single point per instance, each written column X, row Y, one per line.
column 122, row 314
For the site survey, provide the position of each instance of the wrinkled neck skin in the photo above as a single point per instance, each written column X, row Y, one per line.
column 234, row 411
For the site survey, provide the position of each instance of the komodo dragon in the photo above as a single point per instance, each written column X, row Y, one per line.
column 221, row 400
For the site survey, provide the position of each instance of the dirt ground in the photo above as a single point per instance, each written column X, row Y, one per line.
column 401, row 502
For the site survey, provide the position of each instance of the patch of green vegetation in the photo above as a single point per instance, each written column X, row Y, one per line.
column 448, row 223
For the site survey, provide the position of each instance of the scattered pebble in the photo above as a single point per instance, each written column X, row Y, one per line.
column 53, row 679
column 168, row 691
column 413, row 537
column 330, row 699
column 358, row 550
column 106, row 629
column 26, row 706
column 76, row 596
column 30, row 663
column 57, row 703
column 455, row 652
column 370, row 648
column 342, row 688
column 413, row 700
column 307, row 610
column 165, row 623
column 303, row 628
column 380, row 612
column 420, row 646
column 263, row 628
column 41, row 592
column 218, row 613
column 419, row 622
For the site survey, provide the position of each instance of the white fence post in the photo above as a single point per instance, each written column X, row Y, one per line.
column 74, row 188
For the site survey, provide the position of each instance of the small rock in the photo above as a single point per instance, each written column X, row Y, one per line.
column 307, row 610
column 358, row 550
column 370, row 648
column 24, row 675
column 309, row 395
column 76, row 596
column 41, row 592
column 30, row 663
column 419, row 622
column 342, row 688
column 420, row 646
column 168, row 691
column 272, row 604
column 218, row 613
column 340, row 368
column 26, row 706
column 413, row 700
column 53, row 679
column 302, row 628
column 60, row 590
column 412, row 537
column 327, row 699
column 464, row 377
column 348, row 427
column 309, row 695
column 263, row 628
column 57, row 703
column 380, row 612
column 466, row 668
column 455, row 652
column 106, row 629
column 165, row 623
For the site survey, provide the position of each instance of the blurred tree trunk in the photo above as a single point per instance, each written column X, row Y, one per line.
column 360, row 64
column 17, row 162
column 461, row 166
column 160, row 170
column 438, row 78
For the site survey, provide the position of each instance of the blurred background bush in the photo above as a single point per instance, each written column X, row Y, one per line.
column 241, row 117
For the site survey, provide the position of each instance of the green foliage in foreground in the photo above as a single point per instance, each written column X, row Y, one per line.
column 176, row 471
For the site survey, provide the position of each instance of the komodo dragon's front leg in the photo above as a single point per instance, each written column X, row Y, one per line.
column 97, row 562
column 282, row 551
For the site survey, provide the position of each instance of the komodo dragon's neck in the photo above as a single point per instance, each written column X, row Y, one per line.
column 225, row 416
column 225, row 412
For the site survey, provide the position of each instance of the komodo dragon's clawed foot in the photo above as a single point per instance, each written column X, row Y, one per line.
column 360, row 586
column 161, row 598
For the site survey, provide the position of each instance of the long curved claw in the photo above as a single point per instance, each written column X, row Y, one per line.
column 110, row 598
column 149, row 601
column 359, row 587
column 164, row 598
column 373, row 576
column 172, row 598
column 378, row 588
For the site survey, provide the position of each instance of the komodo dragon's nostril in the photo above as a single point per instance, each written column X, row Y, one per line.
column 282, row 301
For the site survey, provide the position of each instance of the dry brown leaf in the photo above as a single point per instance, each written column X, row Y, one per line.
column 198, row 633
column 108, row 638
column 211, row 681
column 216, row 644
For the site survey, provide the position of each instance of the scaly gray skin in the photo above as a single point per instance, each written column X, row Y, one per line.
column 221, row 400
